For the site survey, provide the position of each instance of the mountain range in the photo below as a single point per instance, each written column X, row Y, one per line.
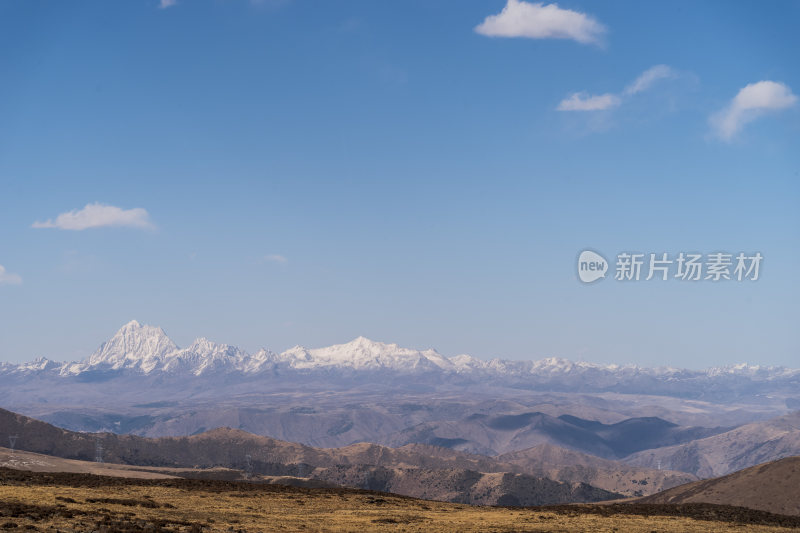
column 545, row 474
column 727, row 452
column 146, row 351
column 492, row 435
column 703, row 423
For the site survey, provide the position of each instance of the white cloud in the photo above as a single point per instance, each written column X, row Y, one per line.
column 541, row 21
column 647, row 78
column 585, row 102
column 97, row 216
column 7, row 278
column 164, row 4
column 275, row 258
column 751, row 102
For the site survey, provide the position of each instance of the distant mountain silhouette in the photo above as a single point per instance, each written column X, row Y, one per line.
column 487, row 434
column 739, row 448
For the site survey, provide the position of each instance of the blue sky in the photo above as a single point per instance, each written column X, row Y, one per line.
column 415, row 172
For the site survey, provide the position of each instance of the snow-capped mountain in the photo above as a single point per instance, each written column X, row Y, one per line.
column 134, row 346
column 146, row 351
column 203, row 356
column 364, row 354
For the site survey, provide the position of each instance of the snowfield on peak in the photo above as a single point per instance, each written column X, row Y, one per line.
column 364, row 354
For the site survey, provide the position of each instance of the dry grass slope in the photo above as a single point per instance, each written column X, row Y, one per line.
column 79, row 502
column 772, row 487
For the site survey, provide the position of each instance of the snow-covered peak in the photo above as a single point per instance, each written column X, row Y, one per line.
column 37, row 365
column 204, row 356
column 360, row 348
column 205, row 349
column 295, row 353
column 364, row 354
column 134, row 345
column 203, row 346
column 748, row 370
column 552, row 364
column 263, row 359
column 362, row 345
column 466, row 363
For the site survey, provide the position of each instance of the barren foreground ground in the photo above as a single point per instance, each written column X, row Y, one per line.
column 79, row 502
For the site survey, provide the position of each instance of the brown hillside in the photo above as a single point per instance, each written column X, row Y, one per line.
column 458, row 477
column 743, row 447
column 562, row 464
column 236, row 449
column 772, row 487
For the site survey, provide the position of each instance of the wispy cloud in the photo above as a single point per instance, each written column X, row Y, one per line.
column 582, row 101
column 751, row 102
column 8, row 278
column 97, row 216
column 542, row 21
column 647, row 78
column 586, row 102
column 275, row 258
column 164, row 4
